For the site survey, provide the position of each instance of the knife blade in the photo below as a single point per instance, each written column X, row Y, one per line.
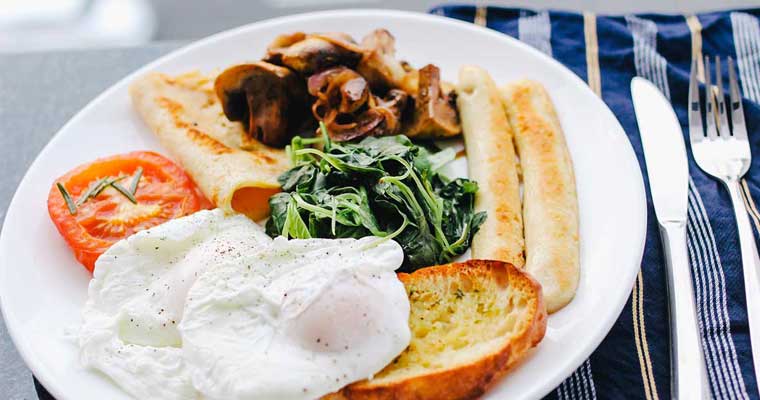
column 668, row 172
column 664, row 150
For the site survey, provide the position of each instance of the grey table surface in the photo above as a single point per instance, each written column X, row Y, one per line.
column 39, row 92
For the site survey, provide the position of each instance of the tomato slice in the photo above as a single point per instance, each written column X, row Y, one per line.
column 164, row 191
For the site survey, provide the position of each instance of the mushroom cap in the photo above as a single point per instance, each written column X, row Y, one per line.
column 434, row 112
column 339, row 88
column 229, row 85
column 392, row 107
column 311, row 53
column 348, row 108
column 268, row 99
column 380, row 66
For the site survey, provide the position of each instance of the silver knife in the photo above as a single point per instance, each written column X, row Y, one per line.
column 668, row 171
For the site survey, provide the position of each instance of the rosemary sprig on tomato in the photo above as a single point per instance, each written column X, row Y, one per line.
column 106, row 211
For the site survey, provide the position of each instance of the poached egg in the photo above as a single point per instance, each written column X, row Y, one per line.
column 209, row 307
column 297, row 320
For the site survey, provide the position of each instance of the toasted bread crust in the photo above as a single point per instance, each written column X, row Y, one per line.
column 469, row 380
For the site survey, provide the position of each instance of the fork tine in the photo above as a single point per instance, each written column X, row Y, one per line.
column 737, row 111
column 724, row 132
column 712, row 132
column 696, row 132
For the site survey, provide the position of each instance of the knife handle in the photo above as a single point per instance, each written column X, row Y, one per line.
column 688, row 377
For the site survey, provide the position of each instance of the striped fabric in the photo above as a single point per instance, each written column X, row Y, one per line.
column 607, row 51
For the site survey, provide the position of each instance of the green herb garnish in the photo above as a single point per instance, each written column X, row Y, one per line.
column 67, row 198
column 124, row 191
column 104, row 184
column 93, row 190
column 96, row 188
column 90, row 190
column 382, row 186
column 135, row 181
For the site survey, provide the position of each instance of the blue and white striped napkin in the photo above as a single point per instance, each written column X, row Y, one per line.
column 607, row 51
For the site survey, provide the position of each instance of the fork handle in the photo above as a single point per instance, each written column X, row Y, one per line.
column 751, row 268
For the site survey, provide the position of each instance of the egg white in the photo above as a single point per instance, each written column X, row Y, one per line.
column 209, row 307
column 297, row 320
column 137, row 297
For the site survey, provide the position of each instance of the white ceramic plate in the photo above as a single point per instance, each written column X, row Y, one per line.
column 43, row 288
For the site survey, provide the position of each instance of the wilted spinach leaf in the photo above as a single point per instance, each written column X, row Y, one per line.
column 383, row 186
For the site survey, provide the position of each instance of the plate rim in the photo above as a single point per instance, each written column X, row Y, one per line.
column 570, row 365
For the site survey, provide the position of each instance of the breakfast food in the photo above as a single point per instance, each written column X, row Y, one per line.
column 209, row 306
column 269, row 100
column 187, row 303
column 492, row 163
column 355, row 89
column 550, row 205
column 96, row 204
column 137, row 299
column 235, row 173
column 314, row 316
column 384, row 186
column 470, row 323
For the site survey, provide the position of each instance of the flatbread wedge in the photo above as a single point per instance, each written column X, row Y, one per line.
column 235, row 172
column 471, row 322
column 550, row 202
column 492, row 163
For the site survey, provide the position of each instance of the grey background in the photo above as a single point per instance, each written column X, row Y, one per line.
column 185, row 19
column 39, row 92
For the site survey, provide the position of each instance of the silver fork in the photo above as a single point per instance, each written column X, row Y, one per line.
column 725, row 154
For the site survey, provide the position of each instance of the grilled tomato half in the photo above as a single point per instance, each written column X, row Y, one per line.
column 99, row 203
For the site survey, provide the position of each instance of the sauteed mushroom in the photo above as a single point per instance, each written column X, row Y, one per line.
column 268, row 99
column 348, row 108
column 357, row 90
column 391, row 107
column 382, row 117
column 434, row 112
column 380, row 67
column 310, row 53
column 339, row 88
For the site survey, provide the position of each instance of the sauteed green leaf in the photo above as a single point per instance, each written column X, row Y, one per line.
column 382, row 186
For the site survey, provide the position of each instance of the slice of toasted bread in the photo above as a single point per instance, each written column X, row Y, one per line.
column 470, row 323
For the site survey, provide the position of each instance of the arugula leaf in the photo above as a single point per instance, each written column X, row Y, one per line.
column 294, row 177
column 382, row 186
column 294, row 226
column 433, row 161
column 278, row 207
